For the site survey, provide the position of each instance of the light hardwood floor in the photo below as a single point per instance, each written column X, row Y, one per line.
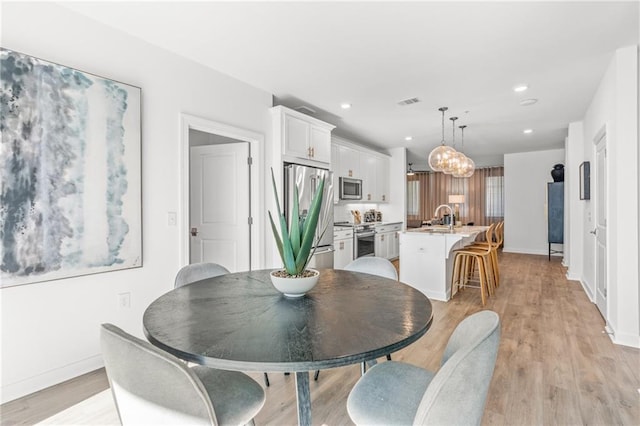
column 555, row 365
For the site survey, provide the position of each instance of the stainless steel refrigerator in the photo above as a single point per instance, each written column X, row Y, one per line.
column 307, row 179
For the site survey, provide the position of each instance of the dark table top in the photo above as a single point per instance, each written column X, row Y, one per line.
column 241, row 322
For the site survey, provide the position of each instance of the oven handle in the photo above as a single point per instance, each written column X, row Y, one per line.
column 364, row 234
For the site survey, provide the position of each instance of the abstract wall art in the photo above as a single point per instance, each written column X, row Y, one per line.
column 70, row 201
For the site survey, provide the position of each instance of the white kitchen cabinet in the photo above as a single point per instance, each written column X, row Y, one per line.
column 369, row 166
column 375, row 180
column 302, row 137
column 348, row 162
column 382, row 179
column 387, row 242
column 343, row 247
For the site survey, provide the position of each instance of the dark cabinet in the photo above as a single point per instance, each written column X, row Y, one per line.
column 555, row 214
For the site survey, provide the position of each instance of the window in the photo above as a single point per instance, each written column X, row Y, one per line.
column 494, row 196
column 413, row 198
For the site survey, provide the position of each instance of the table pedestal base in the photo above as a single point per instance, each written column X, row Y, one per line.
column 303, row 396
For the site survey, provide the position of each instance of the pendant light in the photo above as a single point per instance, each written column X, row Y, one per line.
column 468, row 167
column 457, row 157
column 440, row 156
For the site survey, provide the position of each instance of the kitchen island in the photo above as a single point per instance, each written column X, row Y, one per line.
column 426, row 260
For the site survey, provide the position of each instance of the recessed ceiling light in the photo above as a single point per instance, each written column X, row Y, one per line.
column 527, row 131
column 527, row 102
column 345, row 105
column 408, row 138
column 520, row 88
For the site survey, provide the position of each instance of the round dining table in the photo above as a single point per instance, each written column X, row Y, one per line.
column 241, row 322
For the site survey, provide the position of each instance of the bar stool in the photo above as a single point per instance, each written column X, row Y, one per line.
column 464, row 264
column 494, row 242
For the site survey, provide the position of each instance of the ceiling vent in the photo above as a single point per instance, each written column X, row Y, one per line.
column 305, row 110
column 409, row 101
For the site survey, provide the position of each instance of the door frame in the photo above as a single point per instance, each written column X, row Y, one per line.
column 601, row 136
column 256, row 151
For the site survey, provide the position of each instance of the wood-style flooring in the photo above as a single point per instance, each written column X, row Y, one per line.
column 555, row 365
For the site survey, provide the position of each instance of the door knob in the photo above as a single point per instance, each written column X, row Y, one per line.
column 594, row 231
column 194, row 232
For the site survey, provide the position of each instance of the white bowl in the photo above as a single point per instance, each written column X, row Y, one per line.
column 295, row 287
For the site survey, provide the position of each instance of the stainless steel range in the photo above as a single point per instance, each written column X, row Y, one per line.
column 363, row 238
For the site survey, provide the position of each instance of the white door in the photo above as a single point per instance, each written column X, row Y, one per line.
column 601, row 226
column 219, row 205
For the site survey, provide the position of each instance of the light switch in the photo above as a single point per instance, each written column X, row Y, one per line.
column 172, row 218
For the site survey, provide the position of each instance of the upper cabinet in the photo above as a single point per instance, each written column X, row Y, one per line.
column 348, row 162
column 360, row 163
column 302, row 137
column 375, row 181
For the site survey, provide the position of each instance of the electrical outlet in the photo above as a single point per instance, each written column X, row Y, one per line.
column 172, row 218
column 124, row 300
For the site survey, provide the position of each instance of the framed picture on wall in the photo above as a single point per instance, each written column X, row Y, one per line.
column 70, row 202
column 585, row 181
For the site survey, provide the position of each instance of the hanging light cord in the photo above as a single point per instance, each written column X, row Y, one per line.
column 443, row 109
column 453, row 142
column 462, row 136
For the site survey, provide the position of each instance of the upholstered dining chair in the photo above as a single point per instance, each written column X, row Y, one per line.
column 198, row 271
column 375, row 266
column 395, row 393
column 151, row 386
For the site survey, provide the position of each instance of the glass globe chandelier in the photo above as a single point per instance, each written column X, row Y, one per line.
column 440, row 156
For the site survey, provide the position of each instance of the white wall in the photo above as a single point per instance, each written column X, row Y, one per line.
column 525, row 200
column 575, row 207
column 50, row 330
column 615, row 108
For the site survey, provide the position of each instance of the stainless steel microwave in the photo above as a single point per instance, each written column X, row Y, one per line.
column 350, row 189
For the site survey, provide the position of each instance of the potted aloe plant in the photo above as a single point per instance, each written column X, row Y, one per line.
column 295, row 244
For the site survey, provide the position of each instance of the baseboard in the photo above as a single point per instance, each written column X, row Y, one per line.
column 33, row 384
column 573, row 277
column 587, row 290
column 529, row 251
column 436, row 295
column 623, row 339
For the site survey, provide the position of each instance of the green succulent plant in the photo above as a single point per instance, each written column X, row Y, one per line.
column 296, row 241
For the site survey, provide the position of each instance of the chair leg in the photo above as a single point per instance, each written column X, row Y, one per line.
column 388, row 357
column 315, row 376
column 266, row 379
column 483, row 281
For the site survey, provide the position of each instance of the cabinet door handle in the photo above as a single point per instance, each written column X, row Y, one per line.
column 313, row 152
column 194, row 232
column 308, row 152
column 384, row 198
column 382, row 237
column 368, row 197
column 594, row 232
column 341, row 245
column 350, row 173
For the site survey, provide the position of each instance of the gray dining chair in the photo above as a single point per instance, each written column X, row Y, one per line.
column 374, row 266
column 151, row 386
column 199, row 271
column 395, row 393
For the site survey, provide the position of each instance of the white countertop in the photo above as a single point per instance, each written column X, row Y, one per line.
column 437, row 231
column 369, row 223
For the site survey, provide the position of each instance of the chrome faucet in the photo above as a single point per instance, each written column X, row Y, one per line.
column 450, row 214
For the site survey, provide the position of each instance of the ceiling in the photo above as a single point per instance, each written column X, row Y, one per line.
column 467, row 56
